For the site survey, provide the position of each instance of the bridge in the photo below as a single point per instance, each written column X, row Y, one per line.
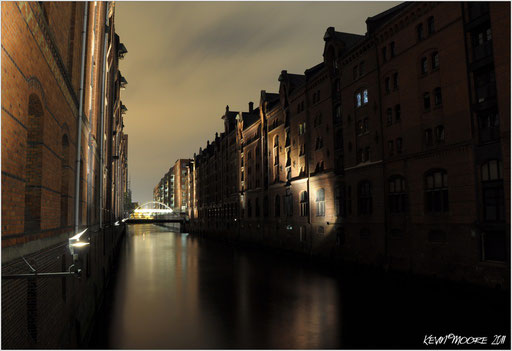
column 155, row 212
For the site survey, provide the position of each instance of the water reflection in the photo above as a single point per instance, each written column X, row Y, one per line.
column 175, row 291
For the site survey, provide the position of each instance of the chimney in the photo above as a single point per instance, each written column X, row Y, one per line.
column 227, row 108
column 251, row 105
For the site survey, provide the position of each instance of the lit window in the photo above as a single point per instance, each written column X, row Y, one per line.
column 358, row 100
column 365, row 96
column 304, row 205
column 320, row 202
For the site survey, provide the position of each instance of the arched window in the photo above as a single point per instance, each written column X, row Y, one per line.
column 65, row 176
column 361, row 97
column 397, row 194
column 34, row 164
column 320, row 202
column 304, row 203
column 277, row 206
column 436, row 191
column 365, row 198
column 492, row 190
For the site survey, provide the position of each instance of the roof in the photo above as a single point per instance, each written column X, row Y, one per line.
column 374, row 22
column 314, row 69
column 249, row 118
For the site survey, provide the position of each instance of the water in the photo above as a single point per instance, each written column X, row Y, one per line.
column 177, row 291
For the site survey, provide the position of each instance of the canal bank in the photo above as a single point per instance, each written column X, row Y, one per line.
column 57, row 311
column 175, row 290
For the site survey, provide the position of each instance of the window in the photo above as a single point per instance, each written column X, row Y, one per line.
column 337, row 113
column 485, row 85
column 428, row 137
column 398, row 145
column 492, row 191
column 277, row 206
column 438, row 98
column 430, row 25
column 426, row 101
column 398, row 117
column 320, row 202
column 392, row 49
column 390, row 147
column 365, row 198
column 365, row 96
column 436, row 191
column 424, row 65
column 288, row 200
column 384, row 55
column 304, row 204
column 488, row 125
column 419, row 31
column 397, row 195
column 439, row 134
column 435, row 60
column 395, row 81
column 338, row 204
column 389, row 116
column 386, row 84
column 358, row 100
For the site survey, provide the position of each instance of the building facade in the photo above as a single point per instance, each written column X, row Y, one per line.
column 63, row 166
column 173, row 188
column 393, row 152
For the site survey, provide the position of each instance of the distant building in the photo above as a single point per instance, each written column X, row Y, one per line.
column 392, row 152
column 173, row 188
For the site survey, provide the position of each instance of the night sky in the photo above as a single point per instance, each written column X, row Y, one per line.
column 187, row 60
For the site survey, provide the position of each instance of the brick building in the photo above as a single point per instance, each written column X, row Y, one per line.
column 392, row 152
column 63, row 166
column 173, row 188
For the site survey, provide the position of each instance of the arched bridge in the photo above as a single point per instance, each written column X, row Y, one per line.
column 154, row 211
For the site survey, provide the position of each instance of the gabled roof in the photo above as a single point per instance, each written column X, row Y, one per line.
column 374, row 22
column 249, row 118
column 311, row 71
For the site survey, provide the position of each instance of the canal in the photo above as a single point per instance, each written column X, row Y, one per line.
column 178, row 291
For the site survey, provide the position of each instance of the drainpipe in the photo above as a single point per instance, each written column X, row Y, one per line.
column 102, row 131
column 79, row 127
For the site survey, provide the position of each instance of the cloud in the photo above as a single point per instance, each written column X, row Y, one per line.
column 187, row 60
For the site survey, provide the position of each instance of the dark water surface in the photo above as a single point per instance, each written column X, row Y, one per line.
column 177, row 291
